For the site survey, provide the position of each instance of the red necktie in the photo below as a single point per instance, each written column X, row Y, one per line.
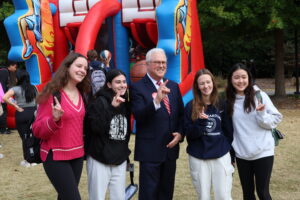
column 165, row 100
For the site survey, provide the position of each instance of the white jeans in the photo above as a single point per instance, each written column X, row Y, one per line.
column 216, row 172
column 101, row 177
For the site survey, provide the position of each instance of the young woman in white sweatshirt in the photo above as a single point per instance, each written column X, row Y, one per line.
column 253, row 120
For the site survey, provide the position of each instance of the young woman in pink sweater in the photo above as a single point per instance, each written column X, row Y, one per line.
column 59, row 124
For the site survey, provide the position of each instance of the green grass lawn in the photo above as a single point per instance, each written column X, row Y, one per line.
column 20, row 183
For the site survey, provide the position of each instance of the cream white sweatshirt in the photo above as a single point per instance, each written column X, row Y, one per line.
column 252, row 136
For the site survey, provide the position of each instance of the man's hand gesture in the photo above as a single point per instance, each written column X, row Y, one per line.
column 162, row 92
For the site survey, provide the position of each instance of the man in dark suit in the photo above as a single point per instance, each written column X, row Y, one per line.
column 158, row 110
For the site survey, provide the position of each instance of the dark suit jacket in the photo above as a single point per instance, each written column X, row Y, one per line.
column 154, row 128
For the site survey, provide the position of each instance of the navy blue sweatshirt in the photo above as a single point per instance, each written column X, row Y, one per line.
column 205, row 137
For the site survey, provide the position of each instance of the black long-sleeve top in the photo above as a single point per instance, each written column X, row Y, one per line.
column 107, row 130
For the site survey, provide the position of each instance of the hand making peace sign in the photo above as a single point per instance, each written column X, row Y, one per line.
column 202, row 114
column 117, row 100
column 57, row 111
column 162, row 92
column 260, row 106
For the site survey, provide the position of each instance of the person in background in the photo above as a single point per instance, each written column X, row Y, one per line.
column 208, row 142
column 7, row 80
column 94, row 63
column 97, row 73
column 157, row 106
column 107, row 137
column 59, row 125
column 24, row 102
column 105, row 57
column 253, row 120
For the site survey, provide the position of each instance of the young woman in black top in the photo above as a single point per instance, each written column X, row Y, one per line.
column 107, row 137
column 24, row 103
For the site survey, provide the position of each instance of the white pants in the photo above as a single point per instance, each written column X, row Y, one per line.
column 217, row 172
column 101, row 177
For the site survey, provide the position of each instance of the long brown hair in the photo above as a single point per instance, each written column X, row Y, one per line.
column 249, row 103
column 61, row 78
column 198, row 103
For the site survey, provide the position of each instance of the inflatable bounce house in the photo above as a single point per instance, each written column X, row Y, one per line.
column 43, row 32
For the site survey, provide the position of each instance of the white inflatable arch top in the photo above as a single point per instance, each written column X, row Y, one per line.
column 138, row 9
column 71, row 11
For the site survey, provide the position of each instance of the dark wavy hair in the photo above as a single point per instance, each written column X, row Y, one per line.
column 23, row 80
column 198, row 101
column 92, row 55
column 249, row 103
column 110, row 75
column 11, row 62
column 61, row 78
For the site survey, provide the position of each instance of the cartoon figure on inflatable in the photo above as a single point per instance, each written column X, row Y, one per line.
column 43, row 32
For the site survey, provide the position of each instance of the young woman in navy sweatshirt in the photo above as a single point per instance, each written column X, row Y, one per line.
column 208, row 143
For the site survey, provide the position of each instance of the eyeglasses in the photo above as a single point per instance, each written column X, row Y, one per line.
column 157, row 62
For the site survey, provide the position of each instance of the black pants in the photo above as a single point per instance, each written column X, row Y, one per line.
column 24, row 119
column 3, row 118
column 255, row 170
column 23, row 122
column 64, row 176
column 157, row 180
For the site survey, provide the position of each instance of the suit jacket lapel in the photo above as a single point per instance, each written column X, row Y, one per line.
column 149, row 84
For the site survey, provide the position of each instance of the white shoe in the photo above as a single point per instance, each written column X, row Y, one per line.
column 33, row 164
column 24, row 163
column 1, row 155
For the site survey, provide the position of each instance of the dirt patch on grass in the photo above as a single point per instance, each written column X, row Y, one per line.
column 289, row 102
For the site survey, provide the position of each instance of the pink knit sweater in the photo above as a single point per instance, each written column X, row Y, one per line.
column 65, row 137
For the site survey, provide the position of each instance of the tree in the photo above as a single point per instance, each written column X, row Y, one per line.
column 244, row 20
column 6, row 9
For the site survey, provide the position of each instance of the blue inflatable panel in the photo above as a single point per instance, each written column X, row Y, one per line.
column 33, row 69
column 165, row 13
column 12, row 28
column 121, row 39
column 187, row 97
